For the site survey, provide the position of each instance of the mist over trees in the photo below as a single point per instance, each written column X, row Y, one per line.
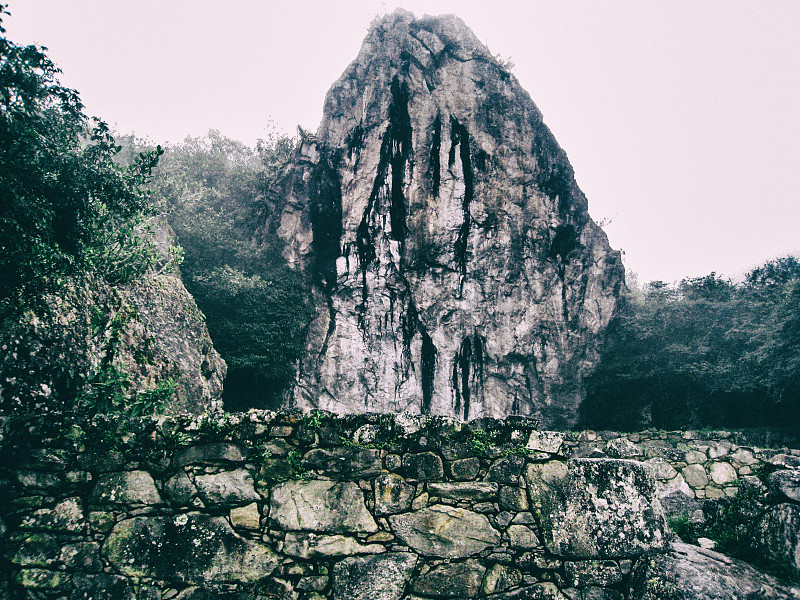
column 705, row 352
column 217, row 194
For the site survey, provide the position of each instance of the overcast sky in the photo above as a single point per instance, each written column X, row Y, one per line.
column 680, row 117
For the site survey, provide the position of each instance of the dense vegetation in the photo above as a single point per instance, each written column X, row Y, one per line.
column 75, row 223
column 704, row 352
column 218, row 193
column 68, row 207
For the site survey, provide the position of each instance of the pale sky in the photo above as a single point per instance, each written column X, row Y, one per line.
column 680, row 117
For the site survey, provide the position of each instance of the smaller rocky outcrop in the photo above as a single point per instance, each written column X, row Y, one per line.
column 691, row 573
column 132, row 348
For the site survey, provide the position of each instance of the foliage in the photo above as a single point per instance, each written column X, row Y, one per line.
column 728, row 522
column 704, row 352
column 68, row 207
column 218, row 194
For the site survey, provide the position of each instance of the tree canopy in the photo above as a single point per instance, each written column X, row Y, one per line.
column 704, row 352
column 67, row 205
column 218, row 193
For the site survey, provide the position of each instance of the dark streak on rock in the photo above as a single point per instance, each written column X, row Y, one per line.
column 459, row 136
column 435, row 162
column 325, row 212
column 468, row 369
column 400, row 134
column 412, row 325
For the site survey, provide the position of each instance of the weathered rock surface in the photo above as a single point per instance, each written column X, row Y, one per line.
column 392, row 494
column 323, row 506
column 777, row 535
column 227, row 487
column 128, row 487
column 381, row 577
column 787, row 483
column 691, row 573
column 456, row 269
column 308, row 545
column 460, row 580
column 599, row 508
column 445, row 531
column 150, row 330
column 191, row 548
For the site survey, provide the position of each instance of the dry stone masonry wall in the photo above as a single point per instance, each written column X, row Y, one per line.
column 310, row 506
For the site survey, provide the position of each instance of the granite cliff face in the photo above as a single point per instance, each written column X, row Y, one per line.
column 456, row 270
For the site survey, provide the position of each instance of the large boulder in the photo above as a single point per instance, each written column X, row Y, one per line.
column 598, row 508
column 777, row 536
column 692, row 573
column 186, row 548
column 139, row 340
column 454, row 264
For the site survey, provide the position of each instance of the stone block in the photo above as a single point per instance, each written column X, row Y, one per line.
column 451, row 580
column 722, row 473
column 379, row 577
column 545, row 441
column 445, row 531
column 344, row 463
column 308, row 545
column 695, row 475
column 478, row 491
column 189, row 548
column 127, row 487
column 209, row 453
column 602, row 508
column 320, row 506
column 592, row 572
column 424, row 466
column 392, row 494
column 227, row 487
column 246, row 517
column 508, row 470
column 500, row 578
column 465, row 469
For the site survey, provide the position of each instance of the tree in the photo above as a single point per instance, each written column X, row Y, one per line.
column 68, row 207
column 704, row 352
column 218, row 193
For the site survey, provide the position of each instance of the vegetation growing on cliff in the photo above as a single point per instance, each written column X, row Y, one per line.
column 704, row 352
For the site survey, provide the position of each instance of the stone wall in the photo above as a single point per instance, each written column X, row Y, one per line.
column 309, row 506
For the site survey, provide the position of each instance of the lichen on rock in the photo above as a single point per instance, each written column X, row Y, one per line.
column 456, row 270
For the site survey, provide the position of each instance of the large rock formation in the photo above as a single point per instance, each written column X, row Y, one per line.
column 455, row 266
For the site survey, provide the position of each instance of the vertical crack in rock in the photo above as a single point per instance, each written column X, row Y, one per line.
column 428, row 369
column 355, row 143
column 412, row 325
column 468, row 374
column 435, row 163
column 325, row 212
column 399, row 133
column 564, row 241
column 459, row 137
